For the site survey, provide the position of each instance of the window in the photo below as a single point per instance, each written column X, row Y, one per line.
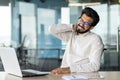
column 5, row 25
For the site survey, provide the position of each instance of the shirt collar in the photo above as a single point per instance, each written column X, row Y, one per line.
column 84, row 34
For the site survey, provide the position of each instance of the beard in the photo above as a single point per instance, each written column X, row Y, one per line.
column 81, row 30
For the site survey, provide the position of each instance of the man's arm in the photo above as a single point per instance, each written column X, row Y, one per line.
column 61, row 31
column 92, row 63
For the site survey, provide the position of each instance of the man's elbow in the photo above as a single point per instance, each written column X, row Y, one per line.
column 96, row 67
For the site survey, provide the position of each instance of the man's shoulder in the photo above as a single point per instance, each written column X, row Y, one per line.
column 94, row 35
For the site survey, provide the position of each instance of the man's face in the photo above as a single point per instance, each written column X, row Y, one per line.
column 84, row 24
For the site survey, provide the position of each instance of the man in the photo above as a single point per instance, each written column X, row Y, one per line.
column 84, row 48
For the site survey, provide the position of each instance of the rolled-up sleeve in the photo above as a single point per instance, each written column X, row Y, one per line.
column 61, row 31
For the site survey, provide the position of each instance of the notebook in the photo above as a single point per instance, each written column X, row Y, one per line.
column 86, row 76
column 11, row 65
column 74, row 77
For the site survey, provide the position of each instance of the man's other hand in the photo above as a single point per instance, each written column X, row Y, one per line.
column 60, row 71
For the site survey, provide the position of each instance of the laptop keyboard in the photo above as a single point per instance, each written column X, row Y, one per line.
column 27, row 74
column 30, row 74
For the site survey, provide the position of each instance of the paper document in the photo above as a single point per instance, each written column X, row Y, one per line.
column 74, row 77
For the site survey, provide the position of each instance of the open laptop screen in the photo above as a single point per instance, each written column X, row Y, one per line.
column 11, row 64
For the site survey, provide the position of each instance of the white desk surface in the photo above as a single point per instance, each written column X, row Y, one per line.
column 105, row 75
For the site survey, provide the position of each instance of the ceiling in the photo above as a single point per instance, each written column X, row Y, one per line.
column 89, row 1
column 4, row 2
column 83, row 1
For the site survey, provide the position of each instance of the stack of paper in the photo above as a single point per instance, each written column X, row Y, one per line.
column 74, row 77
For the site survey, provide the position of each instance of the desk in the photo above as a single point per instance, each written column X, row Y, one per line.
column 108, row 75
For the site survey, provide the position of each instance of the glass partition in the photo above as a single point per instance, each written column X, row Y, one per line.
column 51, row 49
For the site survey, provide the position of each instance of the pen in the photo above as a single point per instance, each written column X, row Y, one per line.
column 73, row 76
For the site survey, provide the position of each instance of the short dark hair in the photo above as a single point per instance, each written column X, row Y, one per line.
column 91, row 13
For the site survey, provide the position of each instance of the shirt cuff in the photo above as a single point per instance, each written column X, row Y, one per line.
column 73, row 68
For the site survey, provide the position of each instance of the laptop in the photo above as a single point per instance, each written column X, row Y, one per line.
column 11, row 65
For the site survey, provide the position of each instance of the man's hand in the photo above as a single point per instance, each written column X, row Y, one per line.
column 74, row 27
column 60, row 71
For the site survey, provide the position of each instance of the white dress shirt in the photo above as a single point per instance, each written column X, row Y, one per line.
column 83, row 52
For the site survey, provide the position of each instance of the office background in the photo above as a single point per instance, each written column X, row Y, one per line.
column 27, row 30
